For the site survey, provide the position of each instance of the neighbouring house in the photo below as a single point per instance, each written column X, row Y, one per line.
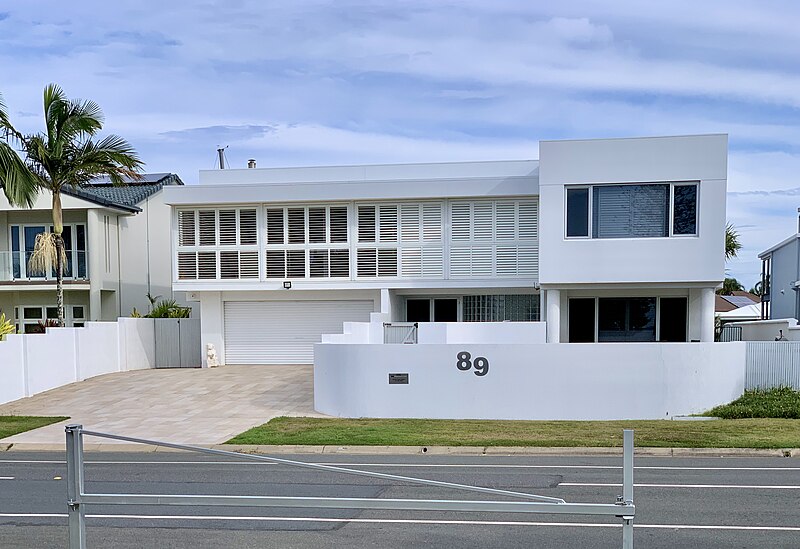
column 605, row 240
column 116, row 251
column 737, row 299
column 780, row 279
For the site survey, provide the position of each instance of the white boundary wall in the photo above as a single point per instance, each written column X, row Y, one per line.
column 34, row 363
column 528, row 381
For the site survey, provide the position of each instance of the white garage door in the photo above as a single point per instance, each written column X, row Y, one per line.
column 284, row 332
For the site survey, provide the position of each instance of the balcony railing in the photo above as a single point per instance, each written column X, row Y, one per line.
column 14, row 267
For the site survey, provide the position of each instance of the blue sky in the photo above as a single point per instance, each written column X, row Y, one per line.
column 340, row 82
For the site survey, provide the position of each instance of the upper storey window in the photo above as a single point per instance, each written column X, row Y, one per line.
column 632, row 211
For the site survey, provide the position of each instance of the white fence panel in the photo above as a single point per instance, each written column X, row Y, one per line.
column 772, row 364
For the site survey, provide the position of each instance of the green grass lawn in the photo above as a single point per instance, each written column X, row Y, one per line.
column 11, row 425
column 723, row 433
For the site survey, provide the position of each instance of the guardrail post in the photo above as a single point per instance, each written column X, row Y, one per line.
column 77, row 518
column 627, row 486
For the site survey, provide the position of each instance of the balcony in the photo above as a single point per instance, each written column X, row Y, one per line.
column 14, row 268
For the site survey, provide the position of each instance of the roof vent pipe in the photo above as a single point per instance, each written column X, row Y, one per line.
column 221, row 154
column 252, row 164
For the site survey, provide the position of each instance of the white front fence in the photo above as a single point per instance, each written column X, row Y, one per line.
column 526, row 381
column 772, row 364
column 34, row 363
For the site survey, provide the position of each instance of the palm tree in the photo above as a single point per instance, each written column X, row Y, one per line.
column 732, row 244
column 64, row 156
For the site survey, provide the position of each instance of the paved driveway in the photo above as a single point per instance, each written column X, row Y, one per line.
column 188, row 405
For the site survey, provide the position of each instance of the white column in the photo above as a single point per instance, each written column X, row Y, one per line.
column 212, row 327
column 707, row 314
column 553, row 298
column 95, row 250
column 386, row 302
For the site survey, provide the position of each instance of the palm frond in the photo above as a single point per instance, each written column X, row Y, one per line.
column 19, row 184
column 112, row 157
column 44, row 256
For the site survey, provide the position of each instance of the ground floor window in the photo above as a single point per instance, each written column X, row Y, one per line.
column 32, row 319
column 617, row 319
column 473, row 308
column 497, row 308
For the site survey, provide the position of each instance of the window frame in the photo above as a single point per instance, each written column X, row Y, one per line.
column 671, row 210
column 657, row 313
column 73, row 252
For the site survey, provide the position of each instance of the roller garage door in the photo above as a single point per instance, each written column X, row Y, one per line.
column 284, row 332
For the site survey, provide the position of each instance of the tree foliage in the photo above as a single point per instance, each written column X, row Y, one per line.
column 730, row 285
column 732, row 244
column 65, row 155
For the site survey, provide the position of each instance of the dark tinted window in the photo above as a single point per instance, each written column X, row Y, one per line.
column 418, row 310
column 684, row 218
column 581, row 320
column 577, row 212
column 672, row 319
column 628, row 319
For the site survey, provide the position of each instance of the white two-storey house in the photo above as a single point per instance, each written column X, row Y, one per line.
column 623, row 238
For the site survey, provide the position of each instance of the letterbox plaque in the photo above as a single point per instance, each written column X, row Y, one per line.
column 398, row 379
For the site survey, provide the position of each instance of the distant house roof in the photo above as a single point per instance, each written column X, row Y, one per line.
column 748, row 312
column 126, row 197
column 725, row 303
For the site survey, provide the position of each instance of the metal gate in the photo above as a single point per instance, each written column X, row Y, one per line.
column 77, row 498
column 400, row 332
column 178, row 343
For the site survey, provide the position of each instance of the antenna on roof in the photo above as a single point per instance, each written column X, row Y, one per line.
column 221, row 154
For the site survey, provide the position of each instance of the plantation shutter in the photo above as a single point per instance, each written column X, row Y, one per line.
column 460, row 221
column 388, row 223
column 187, row 234
column 275, row 226
column 409, row 222
column 207, row 227
column 248, row 227
column 431, row 222
column 338, row 224
column 506, row 220
column 366, row 223
column 227, row 227
column 317, row 226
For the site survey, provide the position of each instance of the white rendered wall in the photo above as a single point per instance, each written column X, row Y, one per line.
column 12, row 357
column 146, row 259
column 698, row 259
column 30, row 364
column 539, row 381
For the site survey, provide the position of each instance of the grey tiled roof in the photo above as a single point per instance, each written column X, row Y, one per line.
column 128, row 196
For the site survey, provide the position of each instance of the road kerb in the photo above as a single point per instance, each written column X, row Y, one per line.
column 420, row 450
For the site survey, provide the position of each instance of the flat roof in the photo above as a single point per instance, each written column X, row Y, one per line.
column 778, row 246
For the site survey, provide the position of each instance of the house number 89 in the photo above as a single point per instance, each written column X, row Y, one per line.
column 465, row 362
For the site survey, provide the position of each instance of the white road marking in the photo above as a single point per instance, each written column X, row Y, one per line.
column 744, row 486
column 410, row 521
column 419, row 465
column 6, row 478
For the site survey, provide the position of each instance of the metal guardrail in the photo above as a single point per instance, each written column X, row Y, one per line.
column 78, row 498
column 400, row 332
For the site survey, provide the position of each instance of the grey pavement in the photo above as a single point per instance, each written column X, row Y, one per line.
column 184, row 405
column 681, row 502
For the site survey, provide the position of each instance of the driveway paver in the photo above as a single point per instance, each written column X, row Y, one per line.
column 184, row 405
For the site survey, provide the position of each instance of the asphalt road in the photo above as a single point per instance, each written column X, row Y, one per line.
column 680, row 502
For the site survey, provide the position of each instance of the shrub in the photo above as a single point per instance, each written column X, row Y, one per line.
column 6, row 327
column 781, row 403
